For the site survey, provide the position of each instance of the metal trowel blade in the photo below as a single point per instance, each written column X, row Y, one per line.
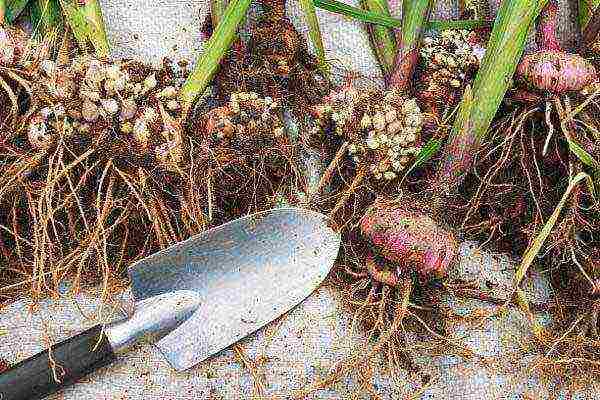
column 247, row 273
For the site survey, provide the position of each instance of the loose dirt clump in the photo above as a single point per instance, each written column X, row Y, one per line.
column 447, row 63
column 381, row 132
column 273, row 60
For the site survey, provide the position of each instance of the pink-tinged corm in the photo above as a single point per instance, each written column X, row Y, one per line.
column 556, row 71
column 410, row 238
column 551, row 69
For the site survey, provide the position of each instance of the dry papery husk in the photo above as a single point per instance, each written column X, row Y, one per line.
column 100, row 172
column 520, row 175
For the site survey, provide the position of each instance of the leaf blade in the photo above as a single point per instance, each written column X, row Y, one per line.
column 215, row 50
column 314, row 31
column 391, row 22
column 505, row 48
column 537, row 243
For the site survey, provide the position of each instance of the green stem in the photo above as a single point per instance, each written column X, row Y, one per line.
column 383, row 40
column 586, row 10
column 46, row 17
column 217, row 8
column 391, row 22
column 13, row 9
column 215, row 49
column 505, row 47
column 97, row 30
column 76, row 22
column 414, row 15
column 589, row 20
column 315, row 33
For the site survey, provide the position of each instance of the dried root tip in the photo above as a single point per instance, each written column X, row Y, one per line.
column 410, row 237
column 556, row 71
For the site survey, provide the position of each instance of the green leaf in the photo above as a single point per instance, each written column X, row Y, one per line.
column 505, row 47
column 414, row 15
column 586, row 10
column 87, row 25
column 383, row 39
column 391, row 22
column 77, row 22
column 46, row 17
column 583, row 155
column 534, row 249
column 14, row 9
column 2, row 11
column 314, row 31
column 217, row 8
column 429, row 150
column 214, row 51
column 92, row 14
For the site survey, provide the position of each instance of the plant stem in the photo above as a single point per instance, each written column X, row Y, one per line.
column 383, row 40
column 45, row 16
column 13, row 9
column 589, row 20
column 76, row 22
column 97, row 30
column 217, row 8
column 216, row 47
column 546, row 27
column 507, row 42
column 391, row 22
column 414, row 15
column 586, row 10
column 308, row 8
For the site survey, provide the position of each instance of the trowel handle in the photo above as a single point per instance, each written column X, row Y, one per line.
column 34, row 378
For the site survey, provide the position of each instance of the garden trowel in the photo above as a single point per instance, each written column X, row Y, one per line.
column 196, row 298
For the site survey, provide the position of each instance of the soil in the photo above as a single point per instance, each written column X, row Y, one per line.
column 273, row 60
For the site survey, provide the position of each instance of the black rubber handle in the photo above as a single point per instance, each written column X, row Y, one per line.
column 33, row 379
